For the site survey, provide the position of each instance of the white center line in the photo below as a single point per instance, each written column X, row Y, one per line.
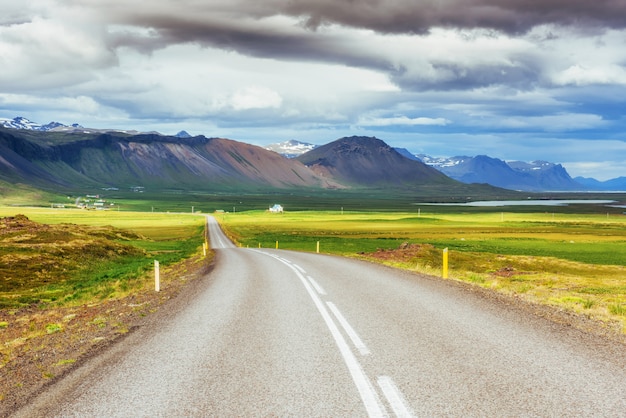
column 371, row 401
column 317, row 286
column 356, row 340
column 369, row 396
column 394, row 397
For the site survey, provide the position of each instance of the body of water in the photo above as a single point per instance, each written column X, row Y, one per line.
column 529, row 202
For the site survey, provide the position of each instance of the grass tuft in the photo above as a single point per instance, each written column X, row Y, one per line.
column 52, row 328
column 618, row 309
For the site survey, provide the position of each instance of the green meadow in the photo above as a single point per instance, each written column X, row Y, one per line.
column 593, row 239
column 571, row 260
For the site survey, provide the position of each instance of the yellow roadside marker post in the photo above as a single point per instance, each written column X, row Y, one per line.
column 445, row 263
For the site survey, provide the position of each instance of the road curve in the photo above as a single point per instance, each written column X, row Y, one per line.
column 279, row 333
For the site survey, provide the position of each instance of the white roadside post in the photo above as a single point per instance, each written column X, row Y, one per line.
column 157, row 277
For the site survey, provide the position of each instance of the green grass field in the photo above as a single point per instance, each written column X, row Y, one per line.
column 593, row 239
column 65, row 256
column 563, row 258
column 574, row 261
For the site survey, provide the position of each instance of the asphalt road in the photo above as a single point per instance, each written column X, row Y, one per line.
column 279, row 333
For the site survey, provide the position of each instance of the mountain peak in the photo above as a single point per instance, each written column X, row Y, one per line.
column 183, row 134
column 368, row 161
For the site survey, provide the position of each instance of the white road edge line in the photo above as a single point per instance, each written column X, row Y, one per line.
column 356, row 340
column 370, row 398
column 394, row 397
column 317, row 286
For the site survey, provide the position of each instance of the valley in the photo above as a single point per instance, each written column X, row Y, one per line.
column 85, row 216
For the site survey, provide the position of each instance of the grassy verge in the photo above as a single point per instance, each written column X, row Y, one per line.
column 74, row 281
column 571, row 261
column 54, row 262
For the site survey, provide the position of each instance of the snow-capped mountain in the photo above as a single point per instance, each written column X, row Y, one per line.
column 442, row 163
column 21, row 122
column 515, row 175
column 532, row 166
column 291, row 148
column 24, row 123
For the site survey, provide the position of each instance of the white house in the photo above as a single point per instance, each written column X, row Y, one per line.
column 276, row 209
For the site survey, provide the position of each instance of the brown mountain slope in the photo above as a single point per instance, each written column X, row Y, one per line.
column 258, row 164
column 154, row 161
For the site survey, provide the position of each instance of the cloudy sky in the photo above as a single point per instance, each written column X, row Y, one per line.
column 513, row 79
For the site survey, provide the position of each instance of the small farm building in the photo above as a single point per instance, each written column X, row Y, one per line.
column 276, row 209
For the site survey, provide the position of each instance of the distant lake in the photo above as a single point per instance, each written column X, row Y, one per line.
column 529, row 202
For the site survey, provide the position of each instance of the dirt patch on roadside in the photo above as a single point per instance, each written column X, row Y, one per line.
column 404, row 253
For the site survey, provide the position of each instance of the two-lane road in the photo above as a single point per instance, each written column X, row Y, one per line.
column 278, row 333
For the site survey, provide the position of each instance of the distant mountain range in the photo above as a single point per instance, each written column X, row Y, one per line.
column 608, row 185
column 517, row 175
column 535, row 176
column 75, row 161
column 23, row 123
column 35, row 151
column 514, row 175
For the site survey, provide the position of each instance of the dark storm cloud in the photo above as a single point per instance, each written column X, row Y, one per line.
column 235, row 23
column 246, row 37
column 511, row 16
column 254, row 28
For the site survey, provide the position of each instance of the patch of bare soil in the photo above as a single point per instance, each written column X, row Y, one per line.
column 404, row 253
column 40, row 345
